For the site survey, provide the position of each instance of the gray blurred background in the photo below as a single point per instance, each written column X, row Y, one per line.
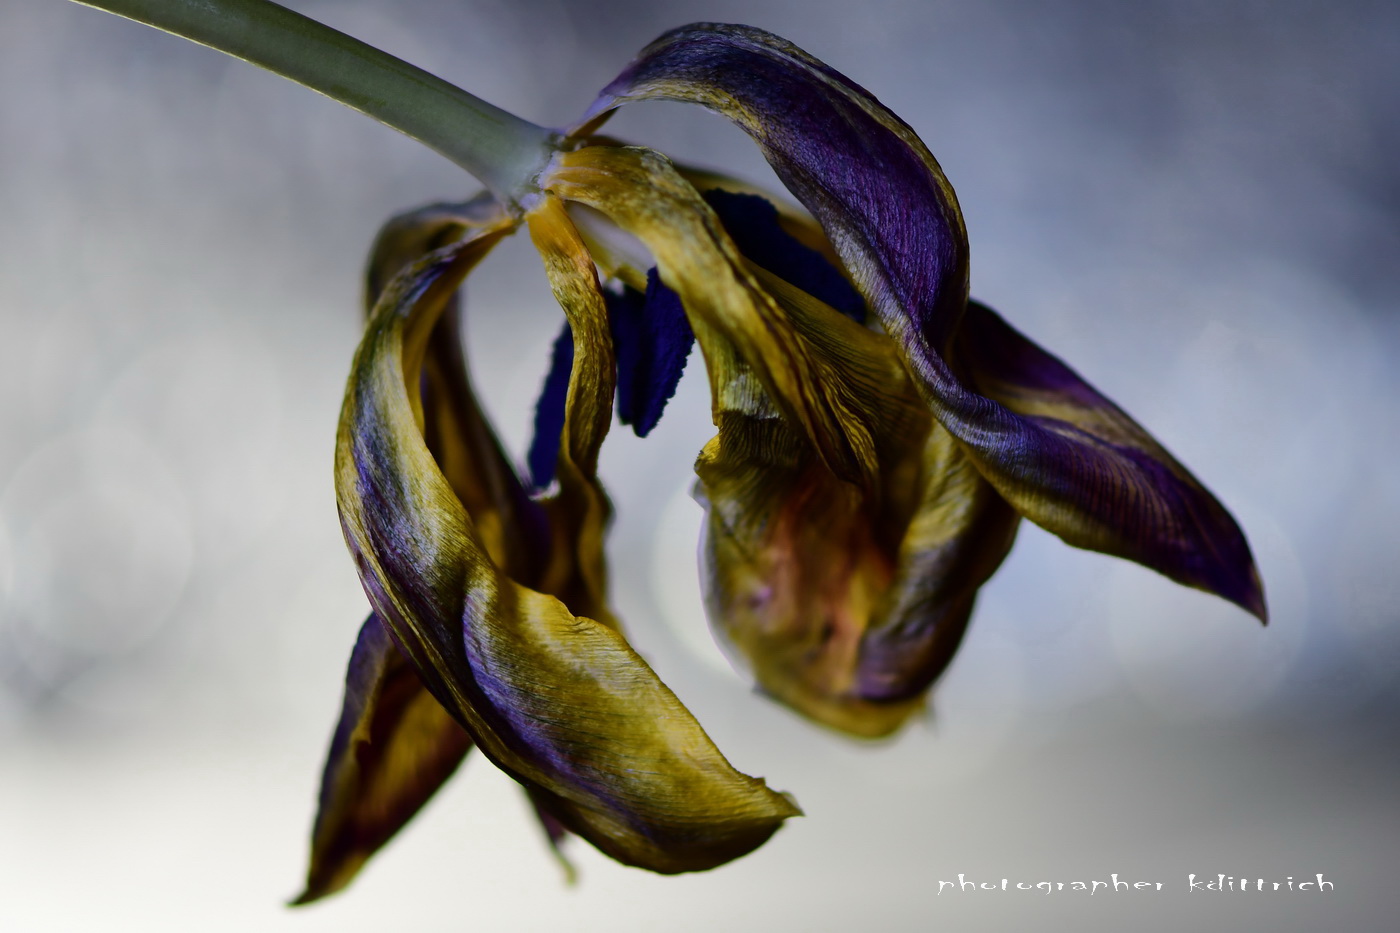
column 1196, row 204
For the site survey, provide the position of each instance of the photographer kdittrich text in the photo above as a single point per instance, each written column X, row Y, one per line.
column 1203, row 885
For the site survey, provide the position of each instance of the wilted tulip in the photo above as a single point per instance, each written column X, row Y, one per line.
column 879, row 439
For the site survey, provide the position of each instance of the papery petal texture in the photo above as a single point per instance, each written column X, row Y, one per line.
column 859, row 169
column 393, row 748
column 1112, row 487
column 892, row 217
column 558, row 700
column 395, row 744
column 846, row 602
column 514, row 527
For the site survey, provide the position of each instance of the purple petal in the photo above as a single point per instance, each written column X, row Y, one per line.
column 393, row 748
column 1089, row 474
column 456, row 431
column 652, row 338
column 549, row 410
column 863, row 173
column 558, row 700
column 752, row 223
column 1071, row 460
column 960, row 533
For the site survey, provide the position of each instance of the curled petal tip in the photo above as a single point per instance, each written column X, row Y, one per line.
column 1254, row 602
column 1076, row 464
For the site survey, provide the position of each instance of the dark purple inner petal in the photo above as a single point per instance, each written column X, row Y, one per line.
column 752, row 223
column 651, row 335
column 626, row 316
column 652, row 340
column 1049, row 430
column 549, row 411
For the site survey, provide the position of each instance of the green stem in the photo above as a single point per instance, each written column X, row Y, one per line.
column 505, row 152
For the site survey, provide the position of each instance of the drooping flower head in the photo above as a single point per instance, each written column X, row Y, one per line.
column 879, row 438
column 848, row 589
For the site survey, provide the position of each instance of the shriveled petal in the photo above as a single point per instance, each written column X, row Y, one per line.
column 847, row 604
column 961, row 531
column 461, row 440
column 395, row 743
column 408, row 237
column 845, row 612
column 1116, row 489
column 893, row 219
column 558, row 700
column 580, row 511
column 393, row 748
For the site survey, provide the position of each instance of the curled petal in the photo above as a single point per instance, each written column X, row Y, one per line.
column 960, row 532
column 893, row 219
column 408, row 237
column 393, row 748
column 461, row 440
column 580, row 511
column 845, row 612
column 395, row 744
column 885, row 203
column 559, row 701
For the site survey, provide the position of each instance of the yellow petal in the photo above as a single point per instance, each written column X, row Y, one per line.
column 560, row 701
column 847, row 603
column 580, row 510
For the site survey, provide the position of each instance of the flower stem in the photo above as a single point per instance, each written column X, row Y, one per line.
column 503, row 151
